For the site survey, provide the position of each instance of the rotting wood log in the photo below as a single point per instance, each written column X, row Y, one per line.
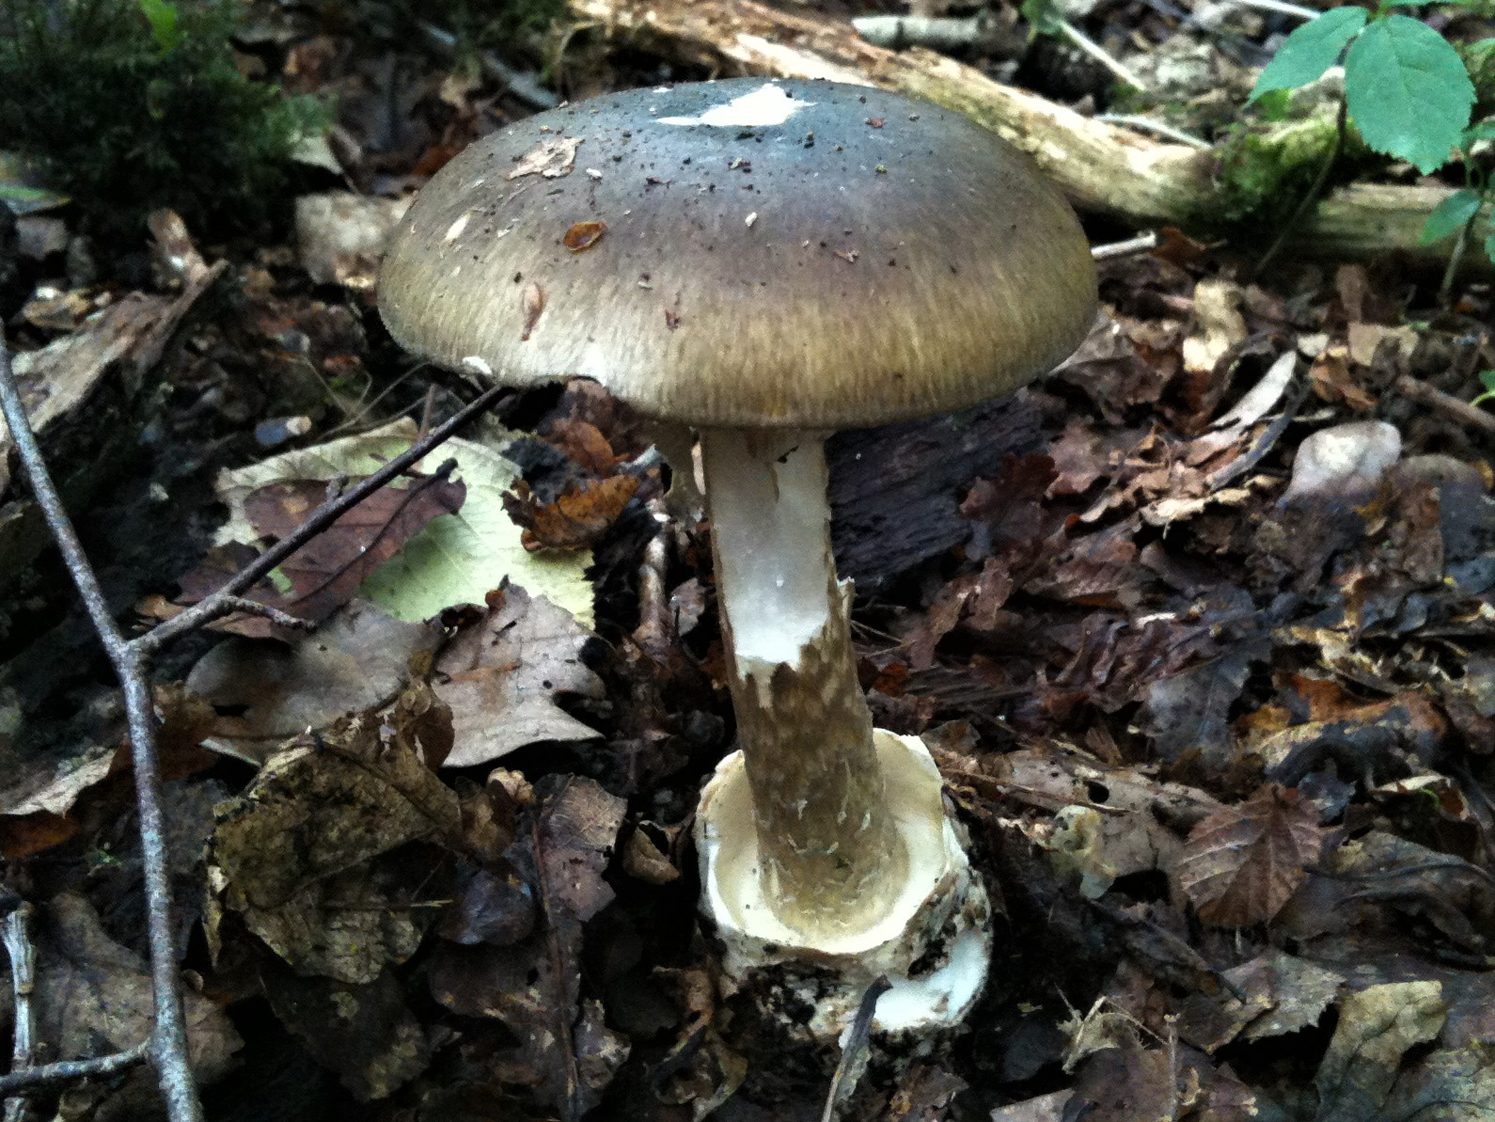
column 1105, row 169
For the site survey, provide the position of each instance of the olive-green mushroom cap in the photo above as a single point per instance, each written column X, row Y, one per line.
column 745, row 253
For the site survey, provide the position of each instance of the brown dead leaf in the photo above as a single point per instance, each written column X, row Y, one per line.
column 264, row 692
column 1332, row 381
column 93, row 997
column 583, row 235
column 328, row 571
column 1132, row 1084
column 534, row 986
column 502, row 675
column 582, row 514
column 366, row 1033
column 305, row 855
column 1241, row 864
column 583, row 444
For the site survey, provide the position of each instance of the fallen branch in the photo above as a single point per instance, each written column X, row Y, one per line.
column 1104, row 169
column 1466, row 413
column 131, row 659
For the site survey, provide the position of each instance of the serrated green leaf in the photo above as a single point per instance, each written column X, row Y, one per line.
column 1408, row 91
column 1309, row 51
column 1487, row 379
column 1449, row 216
column 1042, row 16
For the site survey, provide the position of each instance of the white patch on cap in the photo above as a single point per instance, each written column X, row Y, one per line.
column 457, row 227
column 473, row 362
column 767, row 105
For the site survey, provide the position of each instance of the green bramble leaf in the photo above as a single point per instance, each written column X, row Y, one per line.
column 1449, row 216
column 1309, row 51
column 1408, row 91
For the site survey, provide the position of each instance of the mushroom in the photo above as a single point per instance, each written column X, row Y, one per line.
column 766, row 262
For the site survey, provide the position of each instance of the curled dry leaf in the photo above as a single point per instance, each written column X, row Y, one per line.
column 580, row 516
column 584, row 235
column 1242, row 863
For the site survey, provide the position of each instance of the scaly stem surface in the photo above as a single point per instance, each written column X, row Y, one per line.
column 829, row 857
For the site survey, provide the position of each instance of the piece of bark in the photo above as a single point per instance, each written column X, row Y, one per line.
column 80, row 392
column 896, row 490
column 1101, row 167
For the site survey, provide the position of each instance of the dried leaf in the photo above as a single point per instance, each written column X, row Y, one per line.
column 582, row 514
column 1377, row 1027
column 1241, row 864
column 534, row 987
column 327, row 572
column 583, row 235
column 366, row 1033
column 93, row 996
column 502, row 675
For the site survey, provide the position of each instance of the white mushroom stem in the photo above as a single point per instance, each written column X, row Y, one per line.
column 830, row 860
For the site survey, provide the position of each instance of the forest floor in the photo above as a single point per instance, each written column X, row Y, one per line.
column 1198, row 629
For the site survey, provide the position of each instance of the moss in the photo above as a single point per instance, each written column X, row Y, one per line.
column 129, row 105
column 1264, row 170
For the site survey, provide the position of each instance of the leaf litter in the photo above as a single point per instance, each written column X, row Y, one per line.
column 1203, row 653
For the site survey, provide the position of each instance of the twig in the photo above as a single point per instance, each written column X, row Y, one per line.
column 75, row 1069
column 131, row 659
column 1457, row 408
column 1099, row 53
column 523, row 86
column 23, row 974
column 1281, row 7
column 168, row 1045
column 938, row 33
column 1142, row 243
column 1147, row 124
column 854, row 1053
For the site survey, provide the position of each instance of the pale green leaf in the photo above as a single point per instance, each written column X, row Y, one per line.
column 1310, row 50
column 1408, row 91
column 1450, row 216
column 457, row 558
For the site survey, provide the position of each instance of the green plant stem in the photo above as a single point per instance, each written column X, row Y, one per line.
column 1311, row 197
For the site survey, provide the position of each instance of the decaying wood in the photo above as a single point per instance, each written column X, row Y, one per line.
column 1104, row 169
column 896, row 490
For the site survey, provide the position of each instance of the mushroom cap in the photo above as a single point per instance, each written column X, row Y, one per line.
column 746, row 253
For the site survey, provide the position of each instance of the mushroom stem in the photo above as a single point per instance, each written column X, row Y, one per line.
column 830, row 858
